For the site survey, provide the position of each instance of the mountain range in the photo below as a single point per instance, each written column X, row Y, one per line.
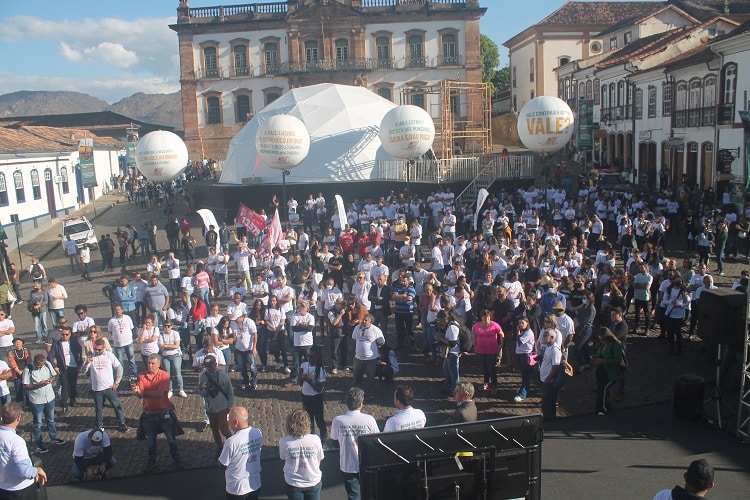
column 161, row 109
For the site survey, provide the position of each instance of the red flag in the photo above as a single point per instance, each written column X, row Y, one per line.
column 273, row 236
column 253, row 221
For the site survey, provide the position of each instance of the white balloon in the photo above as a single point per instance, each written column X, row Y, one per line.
column 407, row 132
column 282, row 141
column 545, row 124
column 161, row 155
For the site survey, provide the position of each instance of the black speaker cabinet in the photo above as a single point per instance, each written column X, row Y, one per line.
column 688, row 397
column 721, row 317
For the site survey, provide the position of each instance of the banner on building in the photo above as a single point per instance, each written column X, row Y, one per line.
column 86, row 162
column 130, row 148
column 585, row 120
column 253, row 221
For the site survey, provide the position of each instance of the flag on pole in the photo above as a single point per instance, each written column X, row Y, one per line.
column 209, row 220
column 252, row 220
column 273, row 236
column 341, row 211
column 481, row 198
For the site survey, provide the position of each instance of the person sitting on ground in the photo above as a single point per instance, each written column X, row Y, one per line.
column 387, row 366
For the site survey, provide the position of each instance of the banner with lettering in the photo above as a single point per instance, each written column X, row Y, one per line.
column 253, row 221
column 86, row 162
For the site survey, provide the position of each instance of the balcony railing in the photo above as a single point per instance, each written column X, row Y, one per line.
column 384, row 63
column 416, row 62
column 615, row 113
column 225, row 73
column 250, row 10
column 398, row 3
column 696, row 117
column 364, row 64
column 449, row 61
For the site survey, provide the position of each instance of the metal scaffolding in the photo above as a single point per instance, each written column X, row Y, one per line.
column 743, row 409
column 462, row 112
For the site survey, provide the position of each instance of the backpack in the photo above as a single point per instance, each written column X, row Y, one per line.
column 36, row 272
column 465, row 338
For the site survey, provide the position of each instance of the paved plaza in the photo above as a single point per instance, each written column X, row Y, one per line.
column 650, row 376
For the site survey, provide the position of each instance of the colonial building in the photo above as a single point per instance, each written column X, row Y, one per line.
column 665, row 88
column 41, row 178
column 236, row 59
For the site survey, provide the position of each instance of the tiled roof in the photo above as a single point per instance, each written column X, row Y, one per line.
column 599, row 13
column 98, row 119
column 700, row 54
column 37, row 139
column 644, row 47
column 704, row 9
column 70, row 136
column 12, row 141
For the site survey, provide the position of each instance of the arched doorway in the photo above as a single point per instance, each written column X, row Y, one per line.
column 676, row 165
column 652, row 165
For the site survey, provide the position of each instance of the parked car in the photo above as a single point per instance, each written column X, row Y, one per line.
column 80, row 230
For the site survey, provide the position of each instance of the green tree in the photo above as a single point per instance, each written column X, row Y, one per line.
column 501, row 78
column 490, row 58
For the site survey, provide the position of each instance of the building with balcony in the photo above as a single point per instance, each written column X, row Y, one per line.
column 236, row 59
column 664, row 95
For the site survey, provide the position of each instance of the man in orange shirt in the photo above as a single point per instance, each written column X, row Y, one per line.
column 153, row 387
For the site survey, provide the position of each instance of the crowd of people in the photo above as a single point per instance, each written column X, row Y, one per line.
column 540, row 283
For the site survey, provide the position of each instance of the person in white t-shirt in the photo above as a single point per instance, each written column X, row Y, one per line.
column 92, row 455
column 240, row 457
column 406, row 417
column 312, row 378
column 121, row 328
column 346, row 429
column 106, row 373
column 302, row 454
column 367, row 338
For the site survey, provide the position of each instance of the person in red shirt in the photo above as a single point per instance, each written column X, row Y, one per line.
column 153, row 389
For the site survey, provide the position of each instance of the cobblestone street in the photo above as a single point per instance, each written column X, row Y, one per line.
column 650, row 377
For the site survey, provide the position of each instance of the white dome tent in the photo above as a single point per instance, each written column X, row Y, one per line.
column 343, row 122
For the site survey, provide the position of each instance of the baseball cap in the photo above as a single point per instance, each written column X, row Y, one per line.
column 209, row 361
column 96, row 436
column 700, row 474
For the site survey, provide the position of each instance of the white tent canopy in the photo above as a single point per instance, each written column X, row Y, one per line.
column 343, row 122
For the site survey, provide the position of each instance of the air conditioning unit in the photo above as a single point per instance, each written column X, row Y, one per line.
column 249, row 181
column 595, row 47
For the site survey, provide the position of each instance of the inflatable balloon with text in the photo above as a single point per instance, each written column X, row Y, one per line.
column 161, row 156
column 282, row 142
column 407, row 132
column 545, row 124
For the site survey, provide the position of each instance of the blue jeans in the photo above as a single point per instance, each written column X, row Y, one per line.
column 152, row 424
column 245, row 359
column 55, row 315
column 110, row 395
column 222, row 280
column 522, row 360
column 351, row 484
column 312, row 493
column 40, row 326
column 128, row 352
column 205, row 294
column 450, row 370
column 78, row 473
column 720, row 258
column 428, row 331
column 48, row 411
column 298, row 352
column 173, row 366
column 227, row 353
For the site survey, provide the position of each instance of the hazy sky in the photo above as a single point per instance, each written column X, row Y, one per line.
column 112, row 49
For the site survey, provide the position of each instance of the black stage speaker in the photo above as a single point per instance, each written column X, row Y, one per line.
column 721, row 317
column 688, row 397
